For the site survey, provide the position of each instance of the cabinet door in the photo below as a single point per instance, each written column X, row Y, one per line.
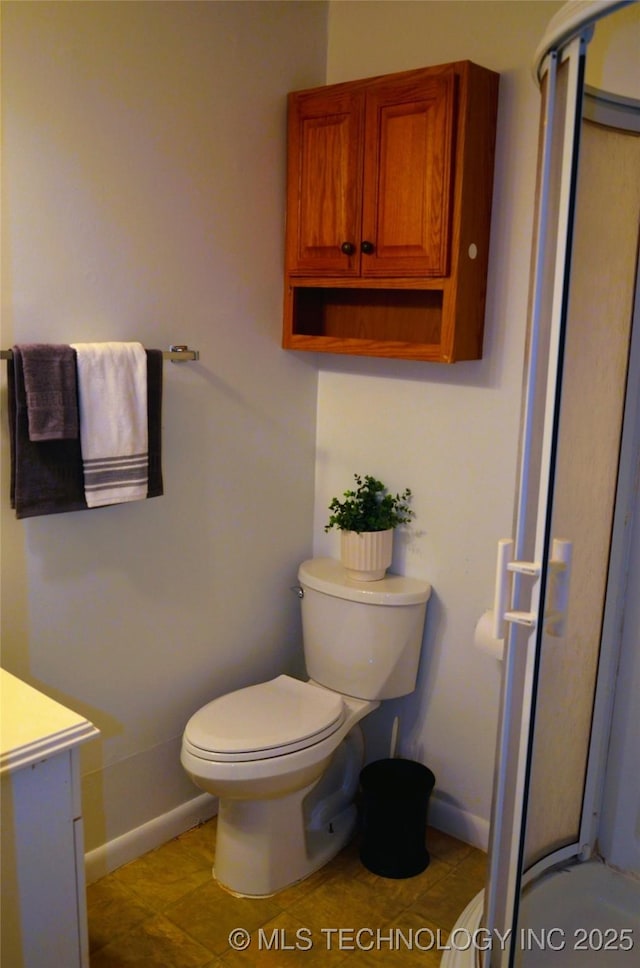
column 408, row 177
column 324, row 194
column 41, row 878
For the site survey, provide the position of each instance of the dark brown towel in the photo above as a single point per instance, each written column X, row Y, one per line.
column 46, row 477
column 51, row 389
column 154, row 413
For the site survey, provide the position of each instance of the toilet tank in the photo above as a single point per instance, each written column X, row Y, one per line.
column 361, row 639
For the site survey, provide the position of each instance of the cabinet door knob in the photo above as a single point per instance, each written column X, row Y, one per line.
column 347, row 248
column 367, row 247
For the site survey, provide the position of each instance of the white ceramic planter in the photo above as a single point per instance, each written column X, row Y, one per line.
column 366, row 556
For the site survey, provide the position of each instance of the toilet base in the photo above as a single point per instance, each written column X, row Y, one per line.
column 263, row 846
column 264, row 873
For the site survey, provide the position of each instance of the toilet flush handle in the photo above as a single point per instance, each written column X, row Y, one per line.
column 298, row 590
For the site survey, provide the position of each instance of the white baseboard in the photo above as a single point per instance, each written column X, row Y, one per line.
column 150, row 835
column 108, row 857
column 459, row 823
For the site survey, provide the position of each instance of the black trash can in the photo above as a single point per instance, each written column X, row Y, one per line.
column 395, row 801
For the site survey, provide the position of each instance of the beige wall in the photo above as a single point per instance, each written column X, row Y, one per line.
column 143, row 165
column 612, row 62
column 144, row 174
column 450, row 434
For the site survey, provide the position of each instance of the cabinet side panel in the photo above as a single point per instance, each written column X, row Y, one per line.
column 475, row 153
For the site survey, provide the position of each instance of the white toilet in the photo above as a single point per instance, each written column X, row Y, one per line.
column 284, row 756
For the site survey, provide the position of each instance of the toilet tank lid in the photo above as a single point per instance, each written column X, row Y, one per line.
column 328, row 576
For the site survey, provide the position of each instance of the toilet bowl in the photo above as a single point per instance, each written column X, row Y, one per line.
column 276, row 823
column 284, row 756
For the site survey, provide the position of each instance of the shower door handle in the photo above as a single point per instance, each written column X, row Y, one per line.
column 555, row 613
column 505, row 568
column 557, row 594
column 502, row 595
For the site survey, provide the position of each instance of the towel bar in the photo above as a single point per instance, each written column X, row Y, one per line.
column 176, row 353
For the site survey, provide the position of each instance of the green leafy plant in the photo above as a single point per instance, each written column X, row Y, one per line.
column 370, row 507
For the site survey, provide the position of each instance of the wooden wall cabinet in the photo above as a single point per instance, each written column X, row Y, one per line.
column 389, row 187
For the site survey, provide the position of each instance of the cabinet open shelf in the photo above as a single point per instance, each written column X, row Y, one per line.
column 378, row 322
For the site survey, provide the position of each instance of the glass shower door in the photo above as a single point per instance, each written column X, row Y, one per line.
column 596, row 354
column 545, row 797
column 527, row 581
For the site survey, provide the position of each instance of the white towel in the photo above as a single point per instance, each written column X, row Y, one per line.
column 112, row 403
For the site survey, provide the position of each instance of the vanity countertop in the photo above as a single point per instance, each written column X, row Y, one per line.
column 33, row 726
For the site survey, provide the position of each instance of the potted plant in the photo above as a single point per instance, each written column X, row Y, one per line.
column 366, row 519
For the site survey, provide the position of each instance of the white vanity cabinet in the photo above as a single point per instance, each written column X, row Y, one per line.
column 43, row 902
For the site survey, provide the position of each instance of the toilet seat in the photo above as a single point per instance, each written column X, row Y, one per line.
column 262, row 721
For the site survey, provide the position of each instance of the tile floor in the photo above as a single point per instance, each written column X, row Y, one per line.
column 165, row 910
